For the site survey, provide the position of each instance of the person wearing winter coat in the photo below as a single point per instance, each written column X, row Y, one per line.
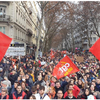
column 74, row 89
column 86, row 94
column 14, row 88
column 59, row 95
column 4, row 94
column 40, row 81
column 12, row 77
column 41, row 94
column 58, row 87
column 70, row 95
column 19, row 94
column 29, row 80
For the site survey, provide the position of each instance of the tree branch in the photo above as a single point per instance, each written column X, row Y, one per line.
column 52, row 7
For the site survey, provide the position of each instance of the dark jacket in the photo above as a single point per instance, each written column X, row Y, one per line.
column 12, row 78
column 29, row 82
column 57, row 98
column 5, row 97
column 13, row 90
column 63, row 84
column 18, row 95
column 97, row 88
column 56, row 90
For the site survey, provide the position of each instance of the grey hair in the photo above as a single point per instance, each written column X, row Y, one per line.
column 5, row 89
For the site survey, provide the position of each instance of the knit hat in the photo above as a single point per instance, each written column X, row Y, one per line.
column 4, row 82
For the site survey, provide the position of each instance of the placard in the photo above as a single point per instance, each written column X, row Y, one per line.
column 91, row 57
column 79, row 58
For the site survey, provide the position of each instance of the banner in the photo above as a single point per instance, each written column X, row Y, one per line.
column 64, row 68
column 95, row 49
column 4, row 44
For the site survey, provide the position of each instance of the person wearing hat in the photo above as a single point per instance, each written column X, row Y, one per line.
column 8, row 82
column 4, row 84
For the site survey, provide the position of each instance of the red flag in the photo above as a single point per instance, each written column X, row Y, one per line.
column 95, row 49
column 52, row 54
column 4, row 44
column 64, row 52
column 64, row 68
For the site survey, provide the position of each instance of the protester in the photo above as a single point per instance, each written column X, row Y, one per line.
column 70, row 95
column 51, row 92
column 41, row 94
column 26, row 78
column 4, row 94
column 19, row 94
column 59, row 95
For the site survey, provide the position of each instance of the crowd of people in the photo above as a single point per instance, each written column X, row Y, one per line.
column 26, row 78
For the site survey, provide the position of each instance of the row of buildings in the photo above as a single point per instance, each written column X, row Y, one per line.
column 18, row 20
column 83, row 40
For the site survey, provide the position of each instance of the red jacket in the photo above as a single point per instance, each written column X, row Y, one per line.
column 39, row 62
column 76, row 91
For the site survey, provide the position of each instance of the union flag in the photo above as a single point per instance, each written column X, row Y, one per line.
column 4, row 44
column 95, row 49
column 52, row 54
column 64, row 67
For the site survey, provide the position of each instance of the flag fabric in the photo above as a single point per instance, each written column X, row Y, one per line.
column 52, row 54
column 95, row 49
column 64, row 52
column 64, row 68
column 4, row 44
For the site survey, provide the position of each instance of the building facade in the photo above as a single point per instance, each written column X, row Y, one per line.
column 16, row 21
column 81, row 41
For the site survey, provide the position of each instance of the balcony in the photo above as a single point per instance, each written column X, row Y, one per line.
column 83, row 37
column 85, row 42
column 30, row 33
column 7, row 2
column 4, row 18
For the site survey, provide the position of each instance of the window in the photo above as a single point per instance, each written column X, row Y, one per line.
column 2, row 10
column 94, row 38
column 2, row 29
column 91, row 39
column 19, row 12
column 16, row 9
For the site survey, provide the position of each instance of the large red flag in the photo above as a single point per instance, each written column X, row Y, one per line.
column 64, row 68
column 95, row 49
column 4, row 44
